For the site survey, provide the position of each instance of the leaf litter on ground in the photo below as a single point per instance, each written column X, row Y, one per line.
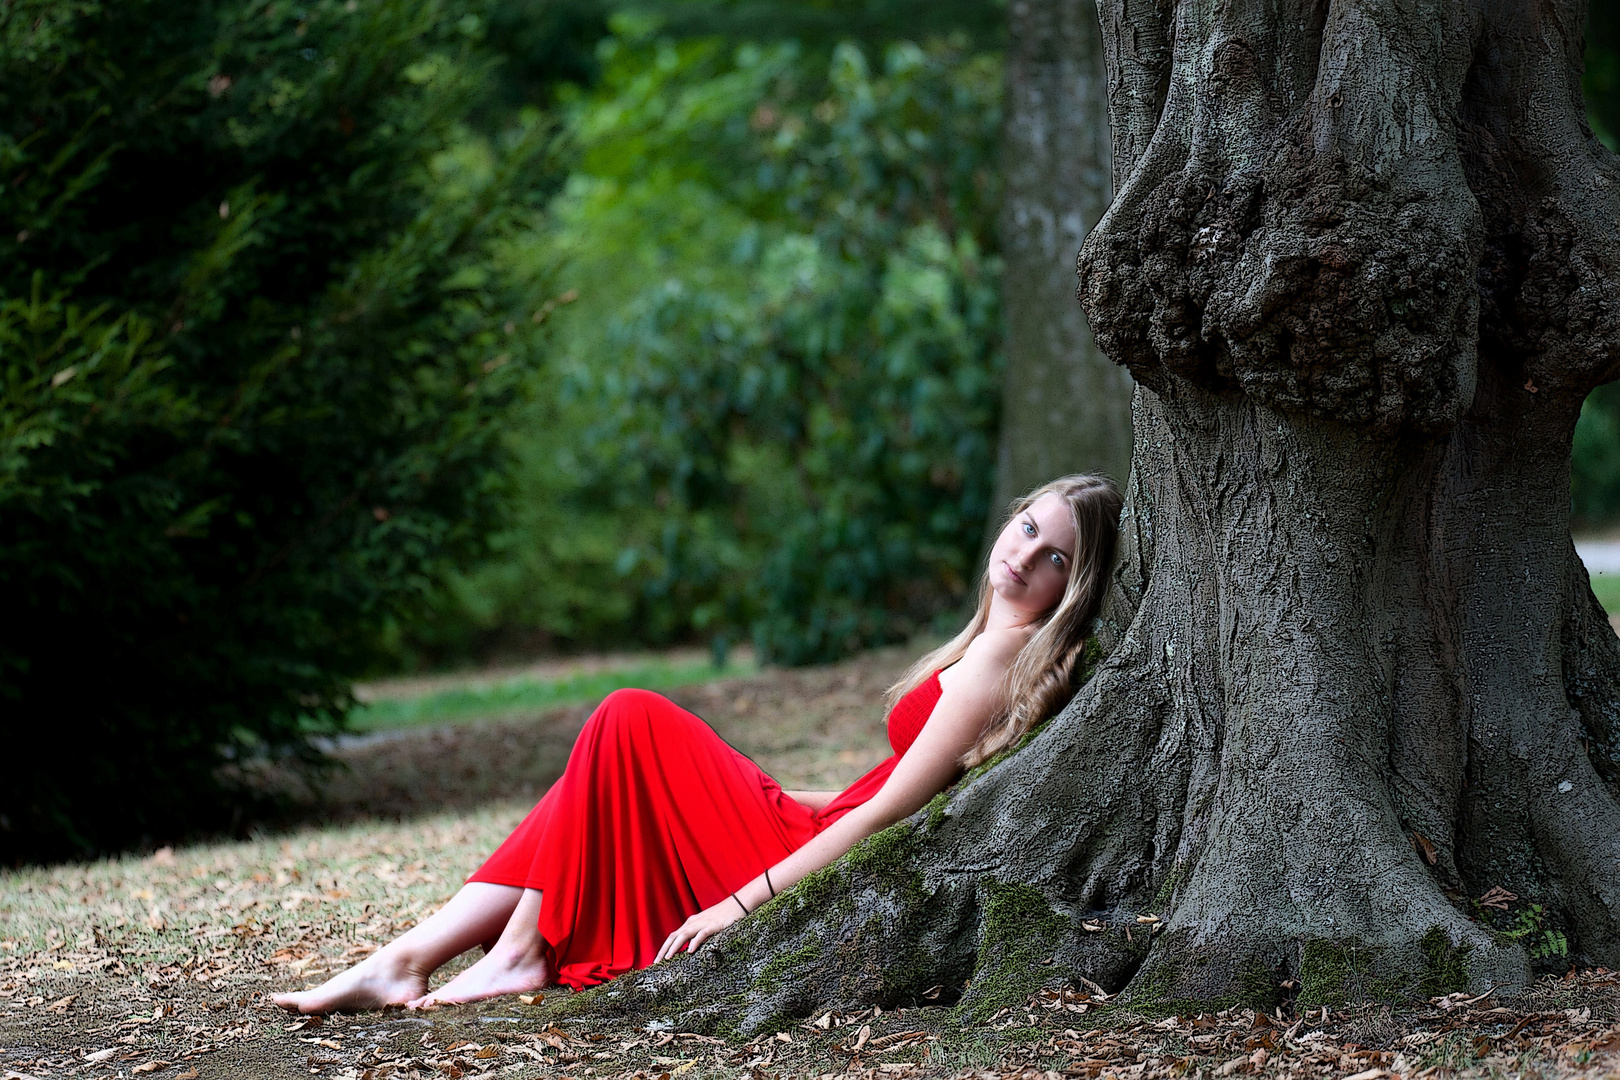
column 163, row 965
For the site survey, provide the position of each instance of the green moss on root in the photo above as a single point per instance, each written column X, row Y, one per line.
column 815, row 892
column 1258, row 985
column 1149, row 993
column 1445, row 966
column 1167, row 890
column 1168, row 984
column 769, row 980
column 1020, row 932
column 1333, row 972
column 1344, row 972
column 884, row 853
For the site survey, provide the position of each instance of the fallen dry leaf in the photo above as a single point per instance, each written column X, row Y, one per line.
column 189, row 1074
column 150, row 1067
column 61, row 1004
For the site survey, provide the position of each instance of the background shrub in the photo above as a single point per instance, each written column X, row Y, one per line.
column 265, row 298
column 771, row 413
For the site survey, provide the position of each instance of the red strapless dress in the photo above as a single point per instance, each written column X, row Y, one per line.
column 656, row 818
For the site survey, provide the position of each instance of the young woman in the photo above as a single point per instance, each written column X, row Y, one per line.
column 659, row 835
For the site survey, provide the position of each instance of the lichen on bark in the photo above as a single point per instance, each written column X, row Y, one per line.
column 1364, row 264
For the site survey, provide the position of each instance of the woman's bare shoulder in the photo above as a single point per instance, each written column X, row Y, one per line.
column 987, row 657
column 997, row 647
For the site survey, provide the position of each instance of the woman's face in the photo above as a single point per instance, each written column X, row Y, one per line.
column 1029, row 564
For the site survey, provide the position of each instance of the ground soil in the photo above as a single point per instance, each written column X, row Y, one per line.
column 161, row 964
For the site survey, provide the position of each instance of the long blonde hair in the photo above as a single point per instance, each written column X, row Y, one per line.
column 1039, row 680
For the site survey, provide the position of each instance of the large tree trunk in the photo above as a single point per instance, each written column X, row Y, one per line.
column 1364, row 265
column 1065, row 407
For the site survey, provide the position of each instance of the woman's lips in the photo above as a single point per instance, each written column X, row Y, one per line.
column 1015, row 575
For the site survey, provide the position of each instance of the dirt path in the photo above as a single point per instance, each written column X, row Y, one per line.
column 162, row 965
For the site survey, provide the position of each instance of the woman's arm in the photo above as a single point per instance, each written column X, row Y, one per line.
column 925, row 770
column 815, row 800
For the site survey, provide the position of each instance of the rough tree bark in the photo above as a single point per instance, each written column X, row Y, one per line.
column 1363, row 265
column 1065, row 407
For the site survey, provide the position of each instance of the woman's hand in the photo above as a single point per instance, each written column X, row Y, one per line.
column 700, row 928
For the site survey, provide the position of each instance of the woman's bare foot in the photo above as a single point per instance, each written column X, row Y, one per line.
column 509, row 968
column 373, row 983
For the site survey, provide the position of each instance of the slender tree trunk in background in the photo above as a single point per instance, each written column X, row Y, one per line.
column 1065, row 406
column 1364, row 262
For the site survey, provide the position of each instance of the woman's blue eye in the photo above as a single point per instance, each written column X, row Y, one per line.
column 1029, row 530
column 1057, row 560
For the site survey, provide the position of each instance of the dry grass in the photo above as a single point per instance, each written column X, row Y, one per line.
column 160, row 965
column 201, row 933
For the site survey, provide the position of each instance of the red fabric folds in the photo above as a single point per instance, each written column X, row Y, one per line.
column 656, row 818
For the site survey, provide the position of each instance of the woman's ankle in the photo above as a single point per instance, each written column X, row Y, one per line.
column 397, row 959
column 523, row 951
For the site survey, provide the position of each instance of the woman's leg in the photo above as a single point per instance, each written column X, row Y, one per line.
column 398, row 972
column 517, row 962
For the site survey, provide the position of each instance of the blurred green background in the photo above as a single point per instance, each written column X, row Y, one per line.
column 353, row 337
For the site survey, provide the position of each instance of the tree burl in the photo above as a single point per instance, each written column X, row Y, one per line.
column 1363, row 265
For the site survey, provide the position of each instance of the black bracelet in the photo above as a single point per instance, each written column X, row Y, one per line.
column 768, row 884
column 741, row 905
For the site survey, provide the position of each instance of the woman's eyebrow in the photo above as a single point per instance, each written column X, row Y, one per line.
column 1032, row 524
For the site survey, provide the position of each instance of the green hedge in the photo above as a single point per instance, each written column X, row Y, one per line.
column 265, row 304
column 771, row 410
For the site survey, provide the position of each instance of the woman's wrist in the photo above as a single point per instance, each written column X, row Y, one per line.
column 757, row 893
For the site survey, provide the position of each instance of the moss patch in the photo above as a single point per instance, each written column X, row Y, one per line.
column 770, row 976
column 1167, row 890
column 816, row 891
column 884, row 853
column 1020, row 932
column 1338, row 973
column 1258, row 986
column 1445, row 966
column 1179, row 980
column 1334, row 973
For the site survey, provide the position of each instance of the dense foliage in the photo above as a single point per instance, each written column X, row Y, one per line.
column 264, row 303
column 771, row 412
